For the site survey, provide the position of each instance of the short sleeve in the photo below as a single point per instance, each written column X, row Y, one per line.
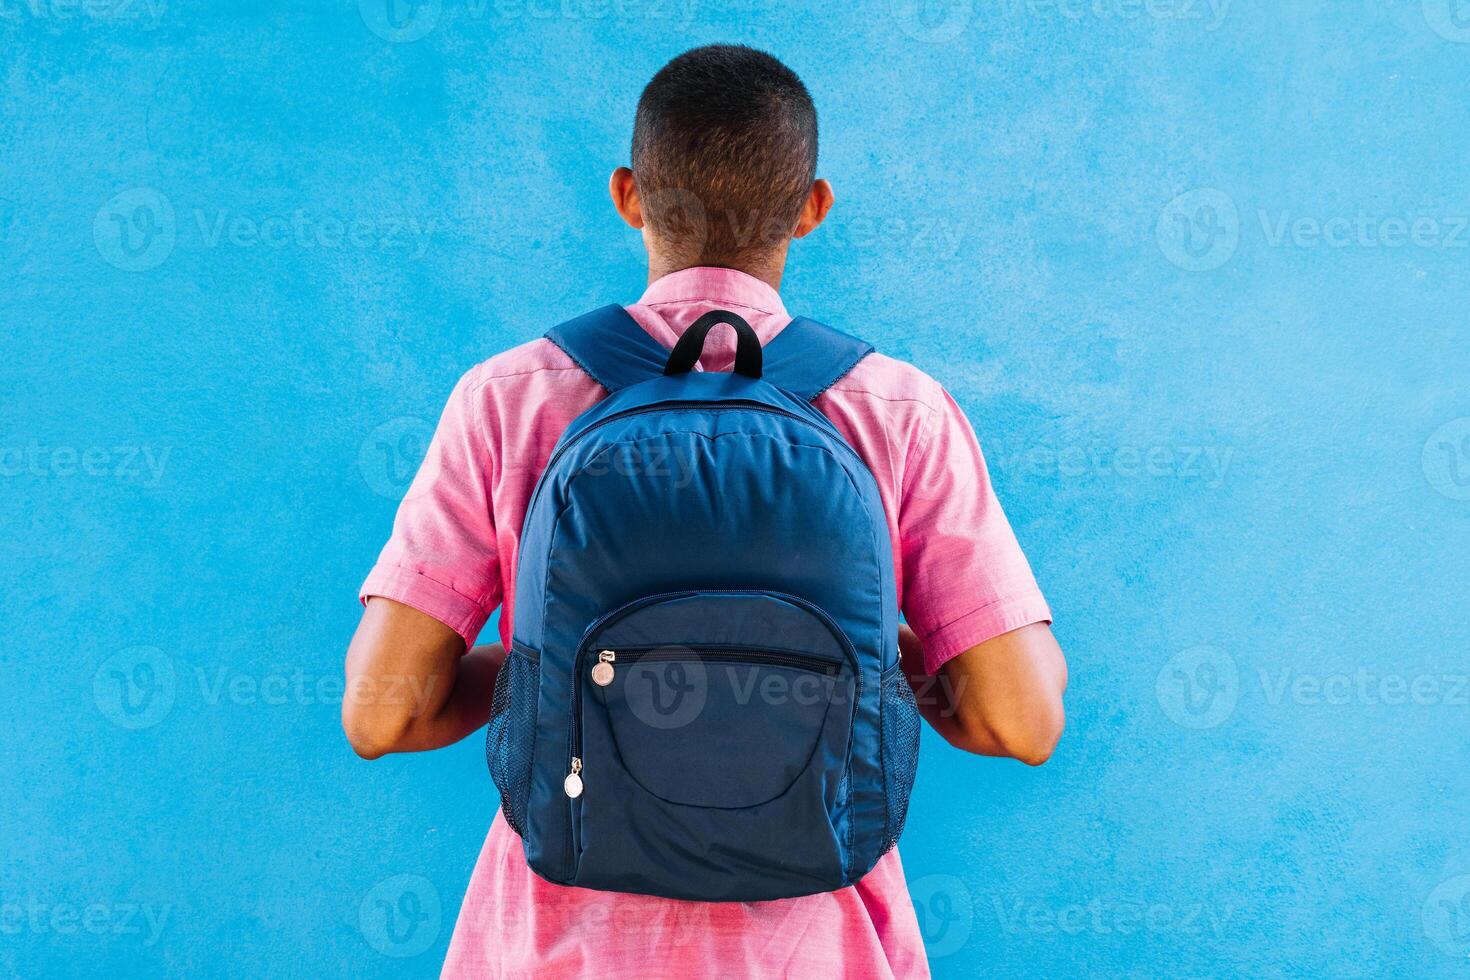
column 442, row 558
column 965, row 578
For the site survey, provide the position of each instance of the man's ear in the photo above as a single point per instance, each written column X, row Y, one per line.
column 624, row 191
column 814, row 211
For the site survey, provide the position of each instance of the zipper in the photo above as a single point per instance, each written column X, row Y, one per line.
column 713, row 653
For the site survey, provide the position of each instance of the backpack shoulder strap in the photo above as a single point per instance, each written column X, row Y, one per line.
column 806, row 357
column 611, row 347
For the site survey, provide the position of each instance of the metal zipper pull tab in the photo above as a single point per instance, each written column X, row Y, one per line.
column 573, row 783
column 602, row 671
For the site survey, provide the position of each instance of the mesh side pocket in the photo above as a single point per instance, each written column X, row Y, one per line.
column 900, row 750
column 511, row 733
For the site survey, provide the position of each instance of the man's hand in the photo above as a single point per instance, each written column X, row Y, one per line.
column 1003, row 697
column 410, row 684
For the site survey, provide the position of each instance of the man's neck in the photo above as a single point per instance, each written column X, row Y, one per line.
column 768, row 270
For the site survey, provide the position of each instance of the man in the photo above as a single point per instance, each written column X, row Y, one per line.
column 722, row 179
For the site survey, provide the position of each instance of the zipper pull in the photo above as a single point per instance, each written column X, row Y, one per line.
column 602, row 671
column 572, row 785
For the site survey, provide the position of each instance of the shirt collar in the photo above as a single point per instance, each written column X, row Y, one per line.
column 723, row 287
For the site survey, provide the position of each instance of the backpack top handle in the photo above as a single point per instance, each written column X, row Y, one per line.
column 747, row 345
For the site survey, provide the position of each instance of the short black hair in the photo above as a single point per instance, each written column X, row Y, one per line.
column 724, row 153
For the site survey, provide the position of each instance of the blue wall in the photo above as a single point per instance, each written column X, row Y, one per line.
column 1198, row 274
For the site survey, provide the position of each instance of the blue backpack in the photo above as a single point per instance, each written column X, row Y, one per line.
column 703, row 698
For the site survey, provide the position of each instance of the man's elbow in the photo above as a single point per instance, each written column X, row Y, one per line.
column 1036, row 741
column 373, row 734
column 1029, row 735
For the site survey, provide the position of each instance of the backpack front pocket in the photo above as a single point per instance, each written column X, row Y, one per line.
column 709, row 744
column 709, row 726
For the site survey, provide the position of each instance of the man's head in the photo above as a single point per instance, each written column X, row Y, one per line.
column 724, row 163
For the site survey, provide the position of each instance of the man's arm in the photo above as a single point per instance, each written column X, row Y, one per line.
column 410, row 684
column 1002, row 697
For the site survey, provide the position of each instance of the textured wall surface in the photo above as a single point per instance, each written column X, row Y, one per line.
column 1197, row 271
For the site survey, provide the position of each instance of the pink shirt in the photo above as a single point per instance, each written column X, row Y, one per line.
column 961, row 577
